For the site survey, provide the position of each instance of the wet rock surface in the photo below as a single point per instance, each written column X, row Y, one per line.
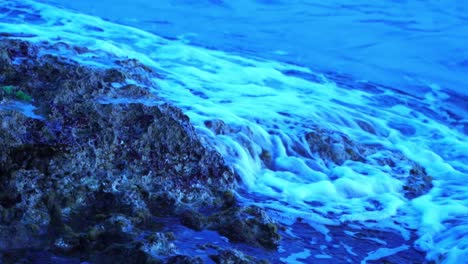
column 334, row 146
column 94, row 172
column 337, row 148
column 88, row 174
column 249, row 225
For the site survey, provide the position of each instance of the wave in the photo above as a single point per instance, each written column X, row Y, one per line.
column 314, row 147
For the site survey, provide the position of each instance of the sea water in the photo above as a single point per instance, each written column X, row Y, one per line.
column 275, row 70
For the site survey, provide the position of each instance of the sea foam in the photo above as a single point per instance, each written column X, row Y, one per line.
column 268, row 107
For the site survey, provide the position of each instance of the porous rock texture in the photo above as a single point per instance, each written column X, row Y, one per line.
column 91, row 172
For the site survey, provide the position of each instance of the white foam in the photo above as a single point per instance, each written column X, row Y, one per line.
column 322, row 256
column 26, row 109
column 349, row 249
column 294, row 258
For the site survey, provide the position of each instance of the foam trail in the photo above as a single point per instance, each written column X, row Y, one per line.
column 267, row 110
column 383, row 252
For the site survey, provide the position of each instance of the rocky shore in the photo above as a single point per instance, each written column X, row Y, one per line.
column 93, row 172
column 95, row 168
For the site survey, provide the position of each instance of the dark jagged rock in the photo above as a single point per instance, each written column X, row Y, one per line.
column 217, row 126
column 333, row 146
column 182, row 259
column 193, row 220
column 417, row 183
column 250, row 225
column 90, row 172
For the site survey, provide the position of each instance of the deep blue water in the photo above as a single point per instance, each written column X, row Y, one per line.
column 386, row 73
column 405, row 44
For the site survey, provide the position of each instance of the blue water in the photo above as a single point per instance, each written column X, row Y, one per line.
column 404, row 44
column 272, row 70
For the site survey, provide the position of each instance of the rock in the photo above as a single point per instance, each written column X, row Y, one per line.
column 417, row 183
column 266, row 157
column 335, row 148
column 182, row 259
column 193, row 220
column 229, row 200
column 97, row 164
column 249, row 225
column 160, row 244
column 217, row 126
column 163, row 204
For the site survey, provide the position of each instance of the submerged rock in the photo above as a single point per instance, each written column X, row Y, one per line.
column 250, row 225
column 417, row 183
column 334, row 146
column 337, row 148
